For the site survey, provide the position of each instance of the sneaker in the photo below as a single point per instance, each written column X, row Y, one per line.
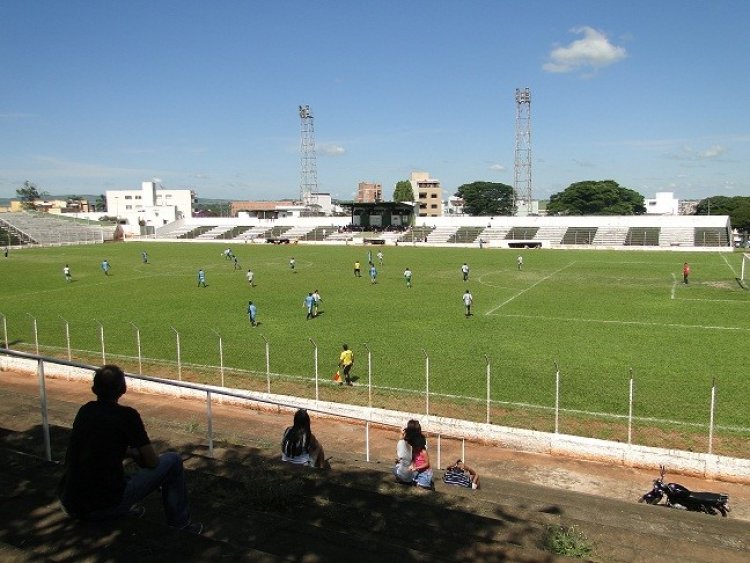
column 193, row 528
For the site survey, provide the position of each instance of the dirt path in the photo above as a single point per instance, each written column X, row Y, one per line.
column 263, row 429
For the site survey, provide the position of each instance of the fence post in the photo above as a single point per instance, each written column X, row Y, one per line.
column 221, row 356
column 367, row 440
column 427, row 383
column 5, row 330
column 268, row 364
column 210, row 425
column 138, row 343
column 630, row 410
column 101, row 338
column 36, row 333
column 67, row 337
column 179, row 354
column 711, row 417
column 557, row 398
column 315, row 345
column 440, row 452
column 369, row 375
column 43, row 405
column 487, row 362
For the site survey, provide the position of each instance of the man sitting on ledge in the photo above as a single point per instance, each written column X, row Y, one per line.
column 105, row 433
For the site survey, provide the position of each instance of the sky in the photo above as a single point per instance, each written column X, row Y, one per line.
column 205, row 94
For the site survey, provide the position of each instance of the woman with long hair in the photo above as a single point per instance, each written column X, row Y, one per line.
column 299, row 444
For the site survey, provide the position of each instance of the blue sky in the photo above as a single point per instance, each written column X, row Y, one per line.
column 103, row 95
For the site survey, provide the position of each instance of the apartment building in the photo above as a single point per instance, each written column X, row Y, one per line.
column 427, row 193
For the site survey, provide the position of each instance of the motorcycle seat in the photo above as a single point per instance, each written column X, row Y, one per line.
column 710, row 498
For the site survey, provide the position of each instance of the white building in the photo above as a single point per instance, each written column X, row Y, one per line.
column 150, row 206
column 663, row 204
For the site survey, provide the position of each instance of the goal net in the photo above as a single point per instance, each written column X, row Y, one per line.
column 745, row 270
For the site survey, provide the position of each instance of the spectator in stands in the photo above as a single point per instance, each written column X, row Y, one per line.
column 105, row 433
column 420, row 459
column 461, row 475
column 299, row 445
column 402, row 470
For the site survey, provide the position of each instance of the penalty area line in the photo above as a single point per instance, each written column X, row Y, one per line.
column 532, row 286
column 633, row 323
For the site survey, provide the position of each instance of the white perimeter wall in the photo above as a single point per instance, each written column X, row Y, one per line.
column 678, row 461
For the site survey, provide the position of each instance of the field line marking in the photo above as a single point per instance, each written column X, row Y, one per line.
column 674, row 284
column 713, row 300
column 636, row 323
column 729, row 265
column 532, row 286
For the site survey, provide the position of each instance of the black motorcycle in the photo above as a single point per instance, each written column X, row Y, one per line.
column 682, row 498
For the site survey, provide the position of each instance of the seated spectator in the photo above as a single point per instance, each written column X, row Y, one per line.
column 420, row 458
column 401, row 470
column 299, row 444
column 94, row 485
column 462, row 475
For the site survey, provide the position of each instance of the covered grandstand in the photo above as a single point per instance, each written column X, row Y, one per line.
column 665, row 232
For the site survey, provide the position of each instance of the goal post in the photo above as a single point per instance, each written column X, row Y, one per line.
column 745, row 270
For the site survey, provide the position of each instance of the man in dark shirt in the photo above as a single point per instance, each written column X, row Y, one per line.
column 104, row 434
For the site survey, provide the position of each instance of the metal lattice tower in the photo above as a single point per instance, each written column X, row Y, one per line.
column 308, row 167
column 522, row 194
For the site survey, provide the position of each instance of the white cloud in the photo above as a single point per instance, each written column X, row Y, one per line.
column 332, row 150
column 593, row 51
column 497, row 168
column 688, row 153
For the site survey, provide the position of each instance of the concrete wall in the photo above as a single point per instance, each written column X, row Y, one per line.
column 678, row 461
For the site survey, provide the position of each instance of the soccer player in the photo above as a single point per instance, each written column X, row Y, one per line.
column 250, row 277
column 346, row 361
column 235, row 262
column 252, row 311
column 66, row 273
column 292, row 264
column 357, row 269
column 380, row 257
column 407, row 276
column 468, row 300
column 105, row 267
column 144, row 257
column 373, row 273
column 685, row 272
column 465, row 271
column 201, row 278
column 316, row 302
column 519, row 262
column 309, row 303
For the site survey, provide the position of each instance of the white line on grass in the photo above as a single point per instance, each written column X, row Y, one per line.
column 729, row 266
column 713, row 300
column 674, row 284
column 532, row 286
column 636, row 323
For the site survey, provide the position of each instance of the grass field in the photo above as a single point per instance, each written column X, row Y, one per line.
column 598, row 314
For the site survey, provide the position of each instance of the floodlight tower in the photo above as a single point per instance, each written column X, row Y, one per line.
column 308, row 168
column 522, row 195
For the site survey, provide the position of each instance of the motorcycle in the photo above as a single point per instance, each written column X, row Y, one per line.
column 685, row 499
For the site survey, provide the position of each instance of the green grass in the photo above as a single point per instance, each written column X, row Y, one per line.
column 599, row 314
column 568, row 542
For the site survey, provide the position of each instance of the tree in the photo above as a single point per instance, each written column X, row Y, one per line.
column 596, row 197
column 28, row 194
column 737, row 207
column 403, row 191
column 101, row 203
column 486, row 198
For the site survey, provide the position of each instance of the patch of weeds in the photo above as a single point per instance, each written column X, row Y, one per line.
column 192, row 426
column 569, row 542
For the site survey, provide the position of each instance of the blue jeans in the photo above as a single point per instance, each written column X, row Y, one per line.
column 169, row 475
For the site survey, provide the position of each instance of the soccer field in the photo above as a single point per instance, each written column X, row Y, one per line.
column 598, row 314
